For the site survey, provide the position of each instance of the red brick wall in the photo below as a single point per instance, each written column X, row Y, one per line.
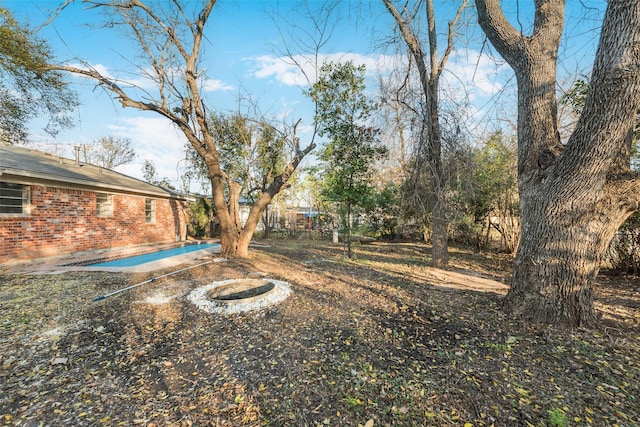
column 64, row 221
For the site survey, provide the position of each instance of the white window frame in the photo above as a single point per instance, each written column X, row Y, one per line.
column 25, row 207
column 150, row 211
column 104, row 205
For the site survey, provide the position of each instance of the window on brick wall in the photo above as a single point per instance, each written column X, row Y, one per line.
column 104, row 204
column 150, row 210
column 14, row 198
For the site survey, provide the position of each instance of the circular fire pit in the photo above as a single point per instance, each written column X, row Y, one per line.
column 238, row 295
column 241, row 292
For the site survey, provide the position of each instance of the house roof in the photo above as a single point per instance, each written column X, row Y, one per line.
column 19, row 164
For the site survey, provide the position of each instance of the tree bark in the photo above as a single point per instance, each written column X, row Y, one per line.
column 234, row 203
column 439, row 234
column 573, row 198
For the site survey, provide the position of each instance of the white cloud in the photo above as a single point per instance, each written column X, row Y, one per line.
column 212, row 85
column 477, row 75
column 154, row 139
column 138, row 80
column 142, row 79
column 269, row 66
column 292, row 71
column 467, row 72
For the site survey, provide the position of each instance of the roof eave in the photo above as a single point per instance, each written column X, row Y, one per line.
column 84, row 183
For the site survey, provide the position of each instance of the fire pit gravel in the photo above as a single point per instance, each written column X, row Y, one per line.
column 239, row 295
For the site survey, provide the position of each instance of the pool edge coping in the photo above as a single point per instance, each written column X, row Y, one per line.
column 59, row 265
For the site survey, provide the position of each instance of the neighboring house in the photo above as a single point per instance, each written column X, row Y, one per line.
column 293, row 218
column 244, row 209
column 50, row 205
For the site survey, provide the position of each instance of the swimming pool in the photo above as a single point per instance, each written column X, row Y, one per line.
column 154, row 256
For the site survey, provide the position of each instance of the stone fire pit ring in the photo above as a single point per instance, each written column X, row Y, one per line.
column 239, row 295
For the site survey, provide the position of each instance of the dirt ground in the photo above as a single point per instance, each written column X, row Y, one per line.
column 381, row 339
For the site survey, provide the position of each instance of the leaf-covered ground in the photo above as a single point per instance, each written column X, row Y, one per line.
column 382, row 339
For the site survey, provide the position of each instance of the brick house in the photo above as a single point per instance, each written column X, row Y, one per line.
column 50, row 205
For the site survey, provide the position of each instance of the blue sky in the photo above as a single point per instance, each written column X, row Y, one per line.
column 243, row 58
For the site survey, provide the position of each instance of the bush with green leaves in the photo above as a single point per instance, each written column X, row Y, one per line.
column 348, row 157
column 29, row 88
column 484, row 194
column 200, row 217
column 382, row 212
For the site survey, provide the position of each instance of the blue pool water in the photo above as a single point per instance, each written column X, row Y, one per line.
column 153, row 256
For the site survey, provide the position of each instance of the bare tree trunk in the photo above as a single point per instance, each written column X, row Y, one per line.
column 439, row 241
column 228, row 233
column 234, row 204
column 556, row 266
column 439, row 233
column 430, row 69
column 572, row 198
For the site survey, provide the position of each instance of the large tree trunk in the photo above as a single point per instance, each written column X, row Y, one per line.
column 559, row 257
column 229, row 217
column 572, row 198
column 228, row 229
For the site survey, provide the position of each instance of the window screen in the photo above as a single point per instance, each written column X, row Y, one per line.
column 150, row 210
column 14, row 198
column 104, row 204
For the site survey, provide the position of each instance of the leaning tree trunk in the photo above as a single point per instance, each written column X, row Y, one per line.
column 573, row 198
column 244, row 234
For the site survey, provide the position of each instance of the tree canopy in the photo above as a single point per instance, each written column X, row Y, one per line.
column 108, row 152
column 28, row 88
